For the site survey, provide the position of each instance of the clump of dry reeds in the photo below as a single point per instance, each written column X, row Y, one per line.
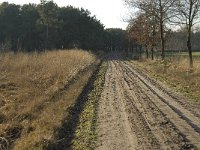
column 27, row 82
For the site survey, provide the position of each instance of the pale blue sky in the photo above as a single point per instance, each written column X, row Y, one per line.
column 109, row 12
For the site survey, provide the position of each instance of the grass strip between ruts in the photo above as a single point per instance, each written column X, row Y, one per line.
column 85, row 135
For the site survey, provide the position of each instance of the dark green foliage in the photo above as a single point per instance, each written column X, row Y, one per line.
column 46, row 26
column 30, row 35
column 79, row 29
column 48, row 21
column 9, row 22
column 116, row 39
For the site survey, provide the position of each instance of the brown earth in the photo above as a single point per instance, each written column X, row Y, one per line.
column 137, row 112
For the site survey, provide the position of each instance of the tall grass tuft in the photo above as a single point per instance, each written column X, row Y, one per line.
column 27, row 82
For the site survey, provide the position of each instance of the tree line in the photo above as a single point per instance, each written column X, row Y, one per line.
column 152, row 24
column 176, row 41
column 34, row 27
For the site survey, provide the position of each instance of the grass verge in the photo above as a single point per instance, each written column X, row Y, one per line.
column 78, row 129
column 85, row 136
column 175, row 73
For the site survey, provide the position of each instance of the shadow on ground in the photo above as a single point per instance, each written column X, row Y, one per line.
column 121, row 56
column 65, row 134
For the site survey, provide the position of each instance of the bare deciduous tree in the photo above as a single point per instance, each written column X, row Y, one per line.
column 144, row 30
column 163, row 10
column 188, row 16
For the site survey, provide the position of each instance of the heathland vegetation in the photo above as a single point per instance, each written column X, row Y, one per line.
column 35, row 92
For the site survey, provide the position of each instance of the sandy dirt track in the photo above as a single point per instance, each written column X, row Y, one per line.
column 136, row 112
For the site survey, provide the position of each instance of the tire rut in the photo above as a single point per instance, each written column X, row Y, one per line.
column 164, row 131
column 113, row 127
column 135, row 113
column 182, row 118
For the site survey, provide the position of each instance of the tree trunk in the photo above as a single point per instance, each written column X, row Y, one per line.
column 137, row 52
column 147, row 52
column 162, row 31
column 140, row 52
column 189, row 46
column 152, row 53
column 47, row 37
column 162, row 43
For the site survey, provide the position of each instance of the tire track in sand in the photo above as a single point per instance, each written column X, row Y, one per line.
column 131, row 116
column 113, row 127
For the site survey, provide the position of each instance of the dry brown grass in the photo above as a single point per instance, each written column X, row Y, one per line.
column 28, row 113
column 176, row 73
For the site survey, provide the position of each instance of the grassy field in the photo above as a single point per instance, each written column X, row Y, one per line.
column 175, row 72
column 196, row 55
column 36, row 92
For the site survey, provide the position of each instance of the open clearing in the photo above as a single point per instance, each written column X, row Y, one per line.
column 137, row 112
column 111, row 105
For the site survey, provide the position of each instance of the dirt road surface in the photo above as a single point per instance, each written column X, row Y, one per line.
column 136, row 112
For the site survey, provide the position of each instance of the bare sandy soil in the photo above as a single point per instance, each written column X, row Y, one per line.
column 137, row 112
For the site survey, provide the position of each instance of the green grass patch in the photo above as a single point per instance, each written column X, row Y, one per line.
column 196, row 55
column 85, row 136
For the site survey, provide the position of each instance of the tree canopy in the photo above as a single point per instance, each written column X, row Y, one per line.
column 46, row 26
column 164, row 13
